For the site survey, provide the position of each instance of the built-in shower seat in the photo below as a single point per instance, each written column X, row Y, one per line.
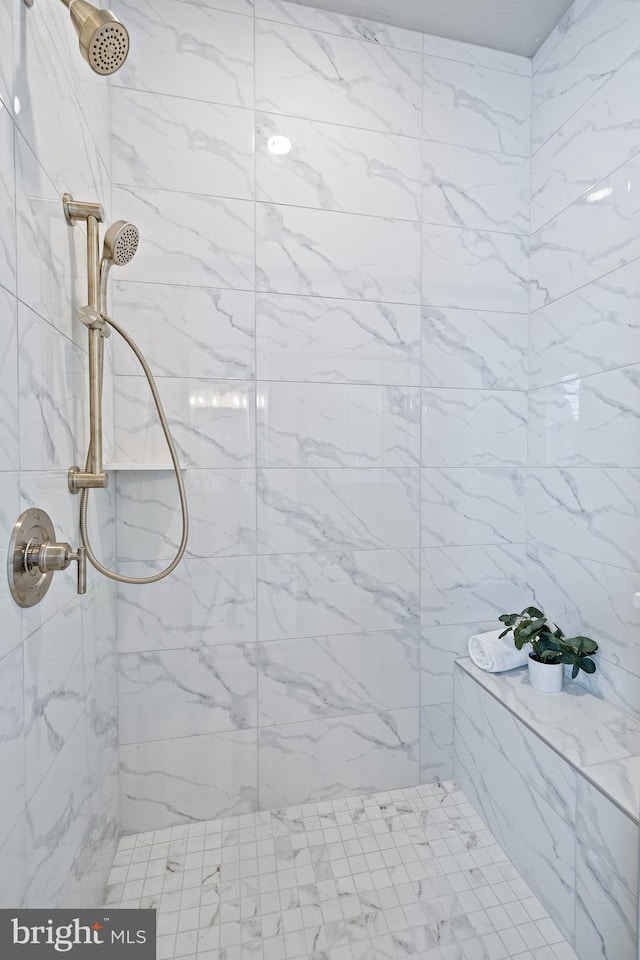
column 557, row 778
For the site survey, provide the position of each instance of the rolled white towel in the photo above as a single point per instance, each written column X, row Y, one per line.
column 494, row 655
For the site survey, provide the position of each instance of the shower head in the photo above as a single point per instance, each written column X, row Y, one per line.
column 104, row 41
column 120, row 245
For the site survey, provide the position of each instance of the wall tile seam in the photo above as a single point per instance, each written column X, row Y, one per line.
column 581, row 198
column 610, row 76
column 582, row 286
column 558, row 34
column 580, row 377
column 413, row 707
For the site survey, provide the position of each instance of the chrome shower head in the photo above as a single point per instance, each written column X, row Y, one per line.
column 104, row 41
column 120, row 243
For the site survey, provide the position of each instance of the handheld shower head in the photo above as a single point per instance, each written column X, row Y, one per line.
column 120, row 245
column 104, row 41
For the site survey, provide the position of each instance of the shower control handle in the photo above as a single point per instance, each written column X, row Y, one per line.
column 50, row 557
column 34, row 556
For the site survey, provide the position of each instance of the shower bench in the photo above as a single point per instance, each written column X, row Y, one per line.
column 557, row 779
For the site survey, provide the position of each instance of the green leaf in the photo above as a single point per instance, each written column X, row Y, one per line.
column 575, row 671
column 532, row 612
column 588, row 665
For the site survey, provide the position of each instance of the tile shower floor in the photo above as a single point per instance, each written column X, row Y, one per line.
column 409, row 873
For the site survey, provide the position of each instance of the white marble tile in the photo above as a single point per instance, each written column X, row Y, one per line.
column 186, row 50
column 6, row 52
column 196, row 778
column 205, row 602
column 300, row 511
column 11, row 632
column 328, row 254
column 587, row 512
column 473, row 428
column 13, row 868
column 620, row 780
column 606, row 879
column 440, row 648
column 46, row 102
column 212, row 422
column 327, row 21
column 467, row 584
column 319, row 759
column 166, row 694
column 338, row 168
column 607, row 838
column 601, row 38
column 245, row 7
column 337, row 425
column 590, row 598
column 12, row 797
column 53, row 388
column 480, row 56
column 465, row 187
column 474, row 270
column 474, row 106
column 334, row 593
column 174, row 143
column 593, row 329
column 543, row 770
column 474, row 349
column 189, row 238
column 54, row 697
column 222, row 514
column 337, row 79
column 468, row 506
column 321, row 677
column 312, row 338
column 527, row 828
column 57, row 822
column 558, row 34
column 50, row 253
column 7, row 197
column 602, row 134
column 185, row 331
column 9, row 401
column 582, row 728
column 436, row 742
column 587, row 422
column 615, row 684
column 594, row 236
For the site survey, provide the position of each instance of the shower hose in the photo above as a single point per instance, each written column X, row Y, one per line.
column 84, row 498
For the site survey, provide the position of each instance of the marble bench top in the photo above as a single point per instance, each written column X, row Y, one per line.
column 600, row 741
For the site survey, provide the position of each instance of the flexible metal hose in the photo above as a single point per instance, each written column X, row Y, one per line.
column 84, row 499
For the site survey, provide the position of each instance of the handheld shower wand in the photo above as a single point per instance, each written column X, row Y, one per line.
column 119, row 247
column 103, row 40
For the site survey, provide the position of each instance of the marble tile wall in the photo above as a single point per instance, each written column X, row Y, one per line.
column 58, row 715
column 583, row 564
column 340, row 335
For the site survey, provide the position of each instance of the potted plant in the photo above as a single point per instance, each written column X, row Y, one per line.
column 550, row 648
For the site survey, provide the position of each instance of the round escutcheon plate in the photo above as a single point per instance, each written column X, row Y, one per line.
column 28, row 584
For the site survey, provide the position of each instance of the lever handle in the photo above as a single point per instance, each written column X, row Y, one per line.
column 49, row 557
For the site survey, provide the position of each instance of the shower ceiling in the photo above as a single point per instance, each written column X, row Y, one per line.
column 519, row 26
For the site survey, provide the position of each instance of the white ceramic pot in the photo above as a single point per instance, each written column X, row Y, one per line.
column 546, row 677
